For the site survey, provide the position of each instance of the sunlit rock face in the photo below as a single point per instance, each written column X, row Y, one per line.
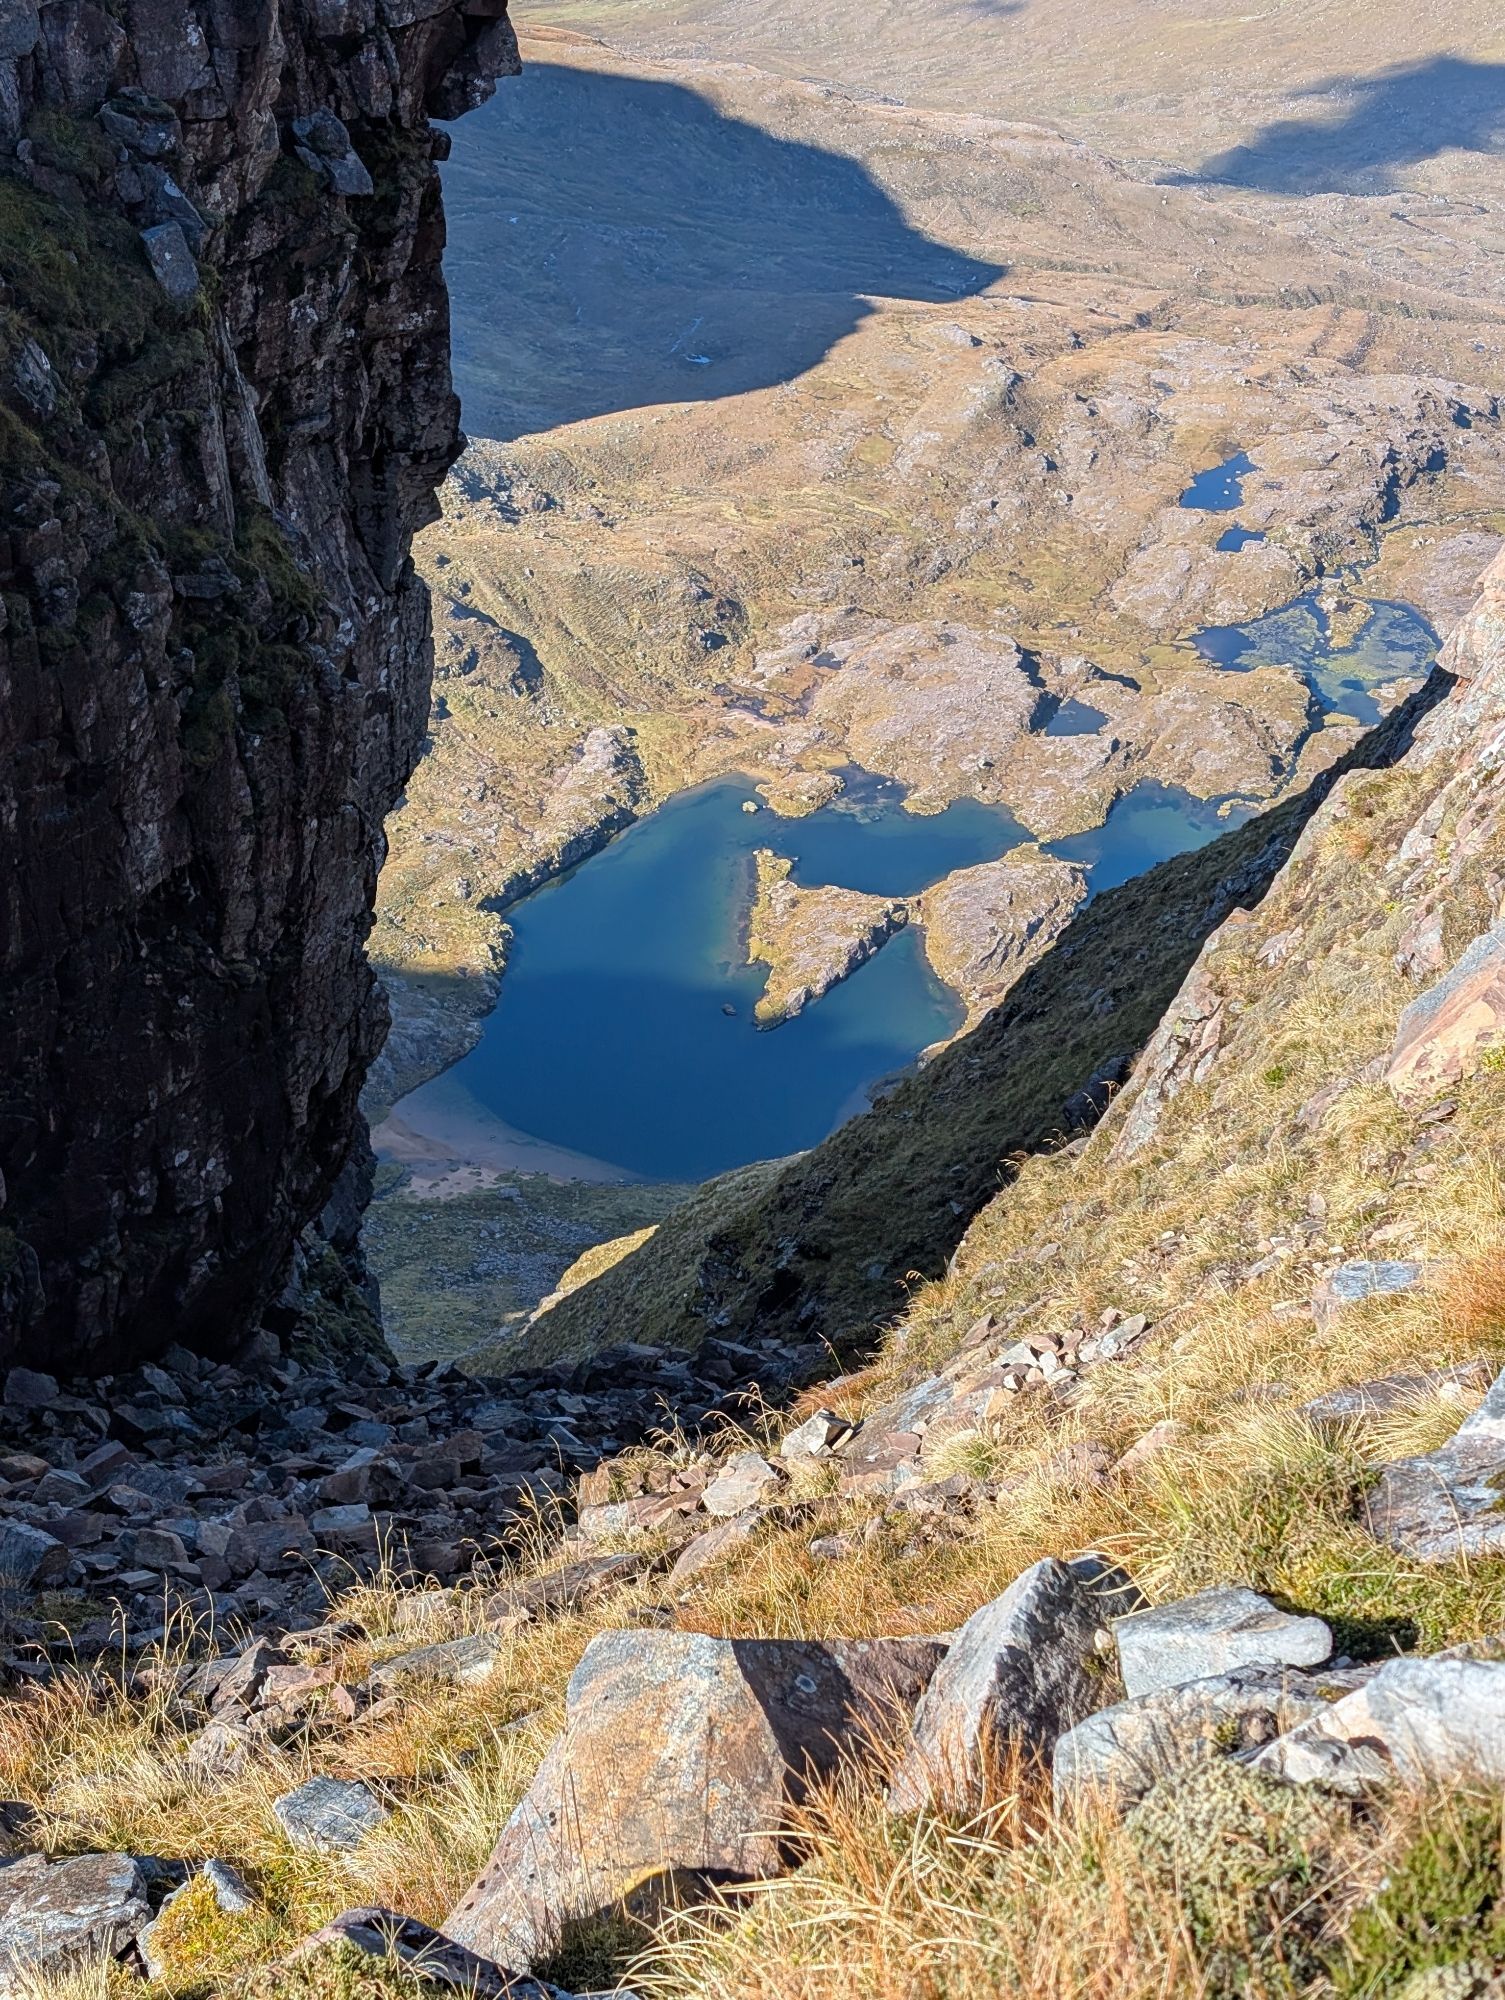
column 226, row 411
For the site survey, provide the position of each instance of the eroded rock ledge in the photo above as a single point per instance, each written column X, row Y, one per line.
column 225, row 402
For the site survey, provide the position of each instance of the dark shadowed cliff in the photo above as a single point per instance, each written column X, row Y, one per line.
column 224, row 404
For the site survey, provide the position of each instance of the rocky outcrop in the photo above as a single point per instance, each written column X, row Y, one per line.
column 810, row 939
column 985, row 926
column 226, row 403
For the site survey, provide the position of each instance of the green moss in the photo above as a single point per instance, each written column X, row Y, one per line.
column 196, row 1941
column 120, row 396
column 1241, row 1854
column 72, row 145
column 1440, row 1903
column 77, row 273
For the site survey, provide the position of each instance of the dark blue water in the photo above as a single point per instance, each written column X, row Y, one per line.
column 1233, row 539
column 1394, row 642
column 612, row 1037
column 1220, row 488
column 1075, row 718
column 865, row 840
column 1146, row 826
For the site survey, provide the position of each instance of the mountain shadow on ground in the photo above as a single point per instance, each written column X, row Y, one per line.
column 1389, row 121
column 616, row 242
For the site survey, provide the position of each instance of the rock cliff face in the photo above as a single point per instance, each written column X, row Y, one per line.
column 224, row 405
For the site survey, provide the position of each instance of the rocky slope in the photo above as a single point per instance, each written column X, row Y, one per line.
column 1130, row 1624
column 226, row 403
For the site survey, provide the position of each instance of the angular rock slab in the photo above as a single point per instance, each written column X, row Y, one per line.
column 1211, row 1633
column 681, row 1754
column 56, row 1914
column 1443, row 1035
column 1122, row 1751
column 332, row 1815
column 744, row 1482
column 1022, row 1670
column 1447, row 1503
column 1421, row 1722
column 1363, row 1278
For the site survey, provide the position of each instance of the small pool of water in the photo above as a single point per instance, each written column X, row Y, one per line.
column 1343, row 667
column 1074, row 718
column 1220, row 488
column 624, row 1033
column 1233, row 539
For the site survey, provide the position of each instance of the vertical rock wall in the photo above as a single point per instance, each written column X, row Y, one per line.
column 225, row 403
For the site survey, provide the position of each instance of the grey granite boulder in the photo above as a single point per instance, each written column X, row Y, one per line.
column 1211, row 1633
column 1437, row 1721
column 60, row 1914
column 332, row 1815
column 680, row 1759
column 464, row 1661
column 171, row 260
column 744, row 1482
column 1021, row 1671
column 1122, row 1751
column 1447, row 1503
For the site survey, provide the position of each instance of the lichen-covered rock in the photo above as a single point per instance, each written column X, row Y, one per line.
column 681, row 1756
column 332, row 1815
column 1438, row 1722
column 1123, row 1750
column 1460, row 1018
column 60, row 1914
column 1196, row 1637
column 1446, row 1503
column 214, row 651
column 1021, row 1670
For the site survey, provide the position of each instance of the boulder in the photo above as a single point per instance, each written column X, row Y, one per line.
column 28, row 1555
column 566, row 1589
column 1360, row 1279
column 1446, row 1503
column 681, row 1756
column 1212, row 1633
column 1438, row 1722
column 60, row 1914
column 464, row 1661
column 1390, row 1393
column 709, row 1546
column 29, row 1389
column 817, row 1434
column 1021, row 1671
column 1442, row 1036
column 1123, row 1750
column 171, row 260
column 332, row 1815
column 744, row 1482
